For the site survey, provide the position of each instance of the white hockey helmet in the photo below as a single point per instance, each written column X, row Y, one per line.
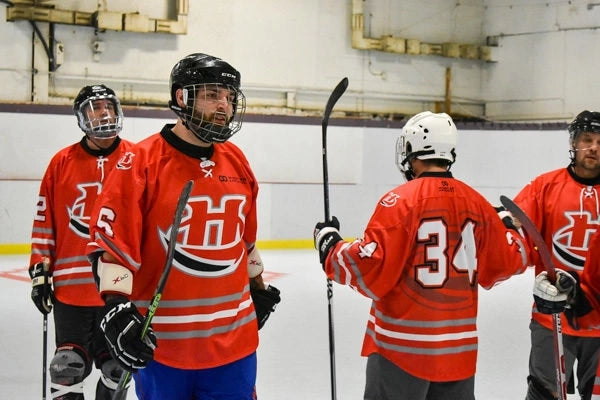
column 426, row 136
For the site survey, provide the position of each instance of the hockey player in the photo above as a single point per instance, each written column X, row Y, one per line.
column 424, row 252
column 564, row 204
column 204, row 335
column 69, row 188
column 579, row 298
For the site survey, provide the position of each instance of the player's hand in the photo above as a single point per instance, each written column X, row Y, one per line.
column 508, row 219
column 553, row 298
column 122, row 326
column 326, row 235
column 264, row 301
column 41, row 286
column 577, row 303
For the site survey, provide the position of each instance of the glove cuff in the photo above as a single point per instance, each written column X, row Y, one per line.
column 507, row 218
column 114, row 278
column 255, row 264
column 114, row 299
column 41, row 280
column 323, row 233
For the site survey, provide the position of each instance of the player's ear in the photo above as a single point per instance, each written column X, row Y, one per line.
column 179, row 96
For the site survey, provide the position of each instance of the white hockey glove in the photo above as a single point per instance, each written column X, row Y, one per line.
column 553, row 298
column 326, row 235
column 508, row 219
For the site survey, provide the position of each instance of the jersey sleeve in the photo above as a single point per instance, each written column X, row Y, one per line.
column 251, row 222
column 43, row 235
column 365, row 264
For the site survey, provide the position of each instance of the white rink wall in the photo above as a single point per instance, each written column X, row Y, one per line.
column 287, row 161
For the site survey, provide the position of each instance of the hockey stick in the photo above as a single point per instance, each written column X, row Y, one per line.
column 121, row 390
column 538, row 241
column 333, row 98
column 46, row 271
column 44, row 355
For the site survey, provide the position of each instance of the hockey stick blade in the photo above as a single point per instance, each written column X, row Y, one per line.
column 538, row 241
column 121, row 391
column 335, row 95
column 333, row 98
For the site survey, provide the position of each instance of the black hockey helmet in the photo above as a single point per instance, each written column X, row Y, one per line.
column 585, row 121
column 85, row 108
column 197, row 71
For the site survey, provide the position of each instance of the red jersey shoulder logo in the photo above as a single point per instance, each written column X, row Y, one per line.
column 126, row 161
column 389, row 200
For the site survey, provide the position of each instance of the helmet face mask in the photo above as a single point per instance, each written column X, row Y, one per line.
column 206, row 95
column 426, row 136
column 211, row 110
column 98, row 111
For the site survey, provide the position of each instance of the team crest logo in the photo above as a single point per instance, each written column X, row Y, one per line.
column 389, row 200
column 79, row 212
column 126, row 161
column 206, row 230
column 570, row 243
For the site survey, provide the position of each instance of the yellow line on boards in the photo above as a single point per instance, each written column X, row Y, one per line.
column 284, row 244
column 14, row 248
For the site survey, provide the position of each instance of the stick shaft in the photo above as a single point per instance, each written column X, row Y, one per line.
column 46, row 272
column 121, row 390
column 44, row 355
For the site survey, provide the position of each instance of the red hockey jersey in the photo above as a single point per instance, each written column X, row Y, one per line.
column 425, row 250
column 72, row 181
column 206, row 317
column 566, row 211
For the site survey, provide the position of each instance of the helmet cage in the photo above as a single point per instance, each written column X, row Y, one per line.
column 426, row 136
column 97, row 123
column 203, row 125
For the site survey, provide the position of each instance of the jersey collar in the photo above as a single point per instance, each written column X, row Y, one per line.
column 99, row 152
column 185, row 147
column 583, row 181
column 444, row 174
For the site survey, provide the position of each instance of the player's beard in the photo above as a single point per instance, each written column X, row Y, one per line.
column 590, row 166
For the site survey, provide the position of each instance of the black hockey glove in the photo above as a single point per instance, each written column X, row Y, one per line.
column 553, row 298
column 326, row 235
column 41, row 288
column 578, row 304
column 264, row 301
column 122, row 326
